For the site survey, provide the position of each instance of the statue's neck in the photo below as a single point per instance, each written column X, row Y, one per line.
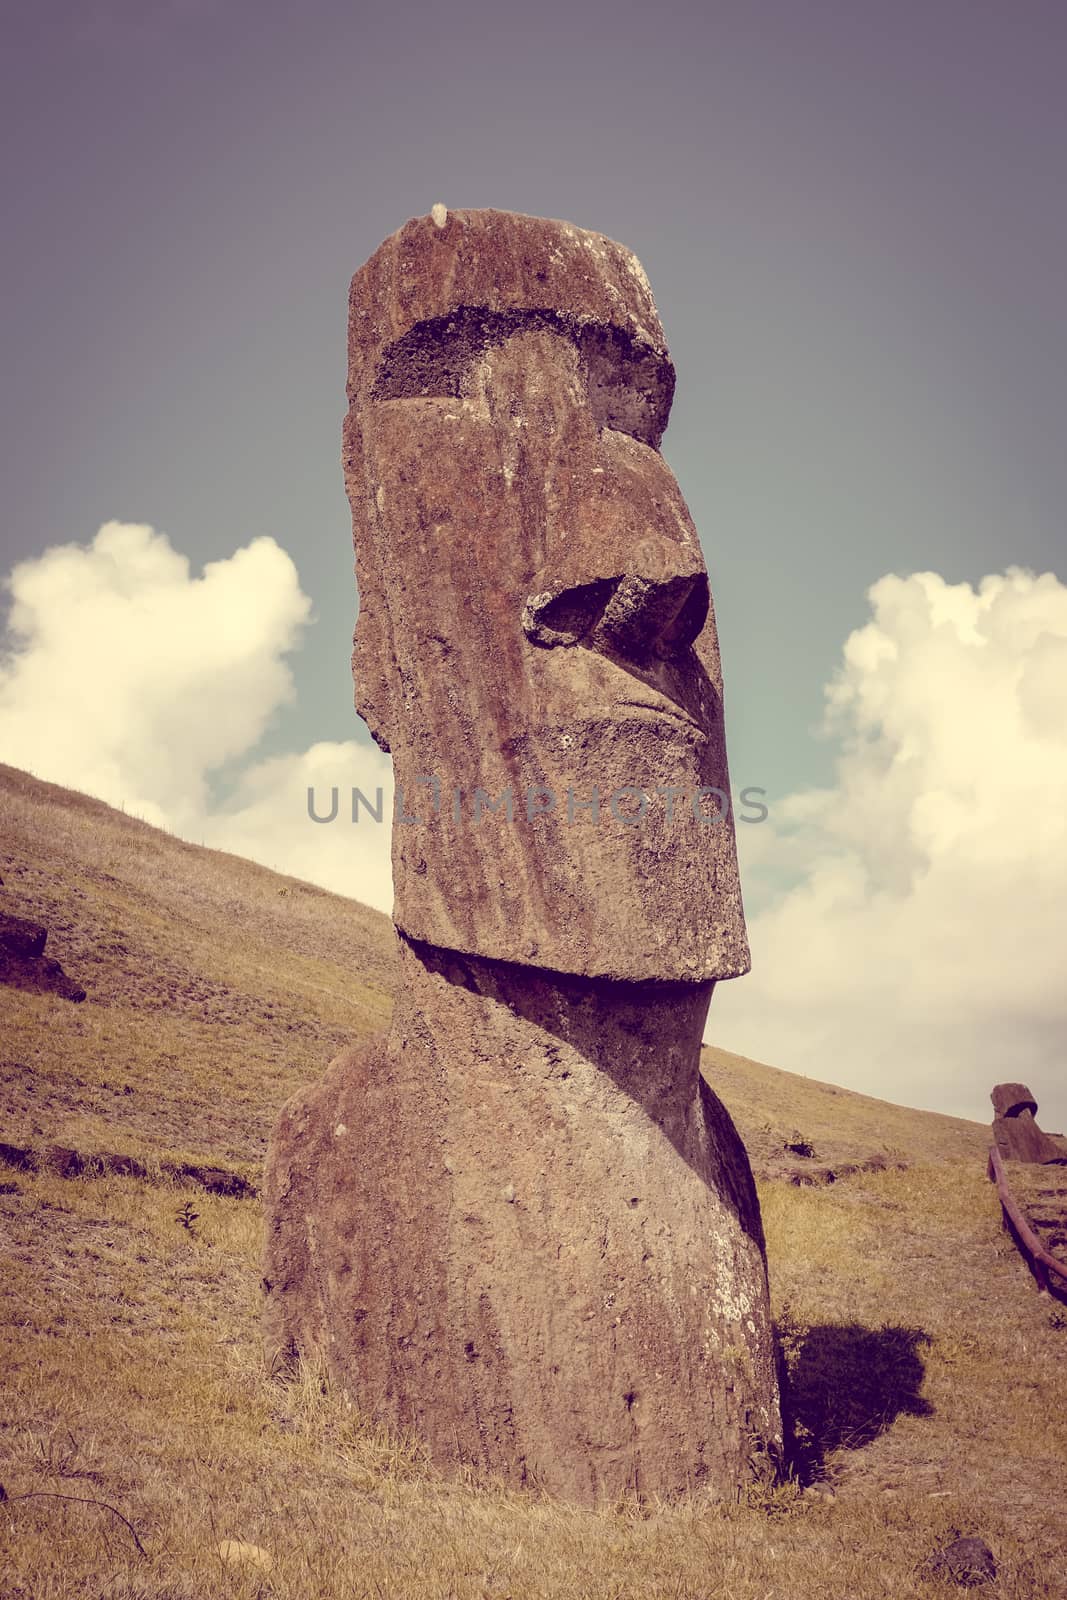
column 482, row 1016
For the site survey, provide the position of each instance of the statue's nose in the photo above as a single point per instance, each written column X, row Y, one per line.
column 633, row 613
column 623, row 570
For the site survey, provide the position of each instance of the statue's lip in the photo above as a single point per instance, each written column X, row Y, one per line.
column 665, row 708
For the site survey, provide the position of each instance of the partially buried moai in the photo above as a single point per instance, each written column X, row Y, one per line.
column 521, row 1223
column 1015, row 1130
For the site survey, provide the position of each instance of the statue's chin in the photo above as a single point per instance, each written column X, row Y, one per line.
column 652, row 955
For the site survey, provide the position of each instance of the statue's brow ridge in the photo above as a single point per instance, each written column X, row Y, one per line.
column 630, row 383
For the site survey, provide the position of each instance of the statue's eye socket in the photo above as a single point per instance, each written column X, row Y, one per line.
column 630, row 384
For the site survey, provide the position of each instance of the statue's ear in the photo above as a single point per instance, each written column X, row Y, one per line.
column 372, row 646
column 372, row 697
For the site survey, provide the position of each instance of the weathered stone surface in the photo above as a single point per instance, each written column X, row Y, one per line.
column 520, row 1223
column 23, row 964
column 968, row 1562
column 523, row 1226
column 1011, row 1099
column 535, row 608
column 1015, row 1131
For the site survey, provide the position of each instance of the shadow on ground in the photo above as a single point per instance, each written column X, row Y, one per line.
column 842, row 1385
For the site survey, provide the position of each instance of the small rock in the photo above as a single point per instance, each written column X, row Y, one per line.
column 966, row 1561
column 237, row 1551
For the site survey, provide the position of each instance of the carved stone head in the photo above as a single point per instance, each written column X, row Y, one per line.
column 536, row 643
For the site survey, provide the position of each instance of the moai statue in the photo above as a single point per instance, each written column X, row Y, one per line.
column 520, row 1223
column 1016, row 1133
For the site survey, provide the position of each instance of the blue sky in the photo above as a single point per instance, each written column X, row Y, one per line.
column 855, row 224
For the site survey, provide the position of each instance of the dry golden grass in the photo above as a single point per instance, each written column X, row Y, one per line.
column 771, row 1106
column 928, row 1385
column 215, row 986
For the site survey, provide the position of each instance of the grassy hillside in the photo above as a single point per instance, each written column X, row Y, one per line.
column 927, row 1388
column 215, row 986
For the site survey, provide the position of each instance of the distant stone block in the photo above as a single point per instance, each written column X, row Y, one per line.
column 1017, row 1135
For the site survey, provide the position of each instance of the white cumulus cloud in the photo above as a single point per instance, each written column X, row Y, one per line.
column 907, row 922
column 916, row 951
column 271, row 819
column 130, row 678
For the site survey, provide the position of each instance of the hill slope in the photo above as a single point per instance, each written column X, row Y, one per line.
column 926, row 1384
column 205, row 970
column 215, row 987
